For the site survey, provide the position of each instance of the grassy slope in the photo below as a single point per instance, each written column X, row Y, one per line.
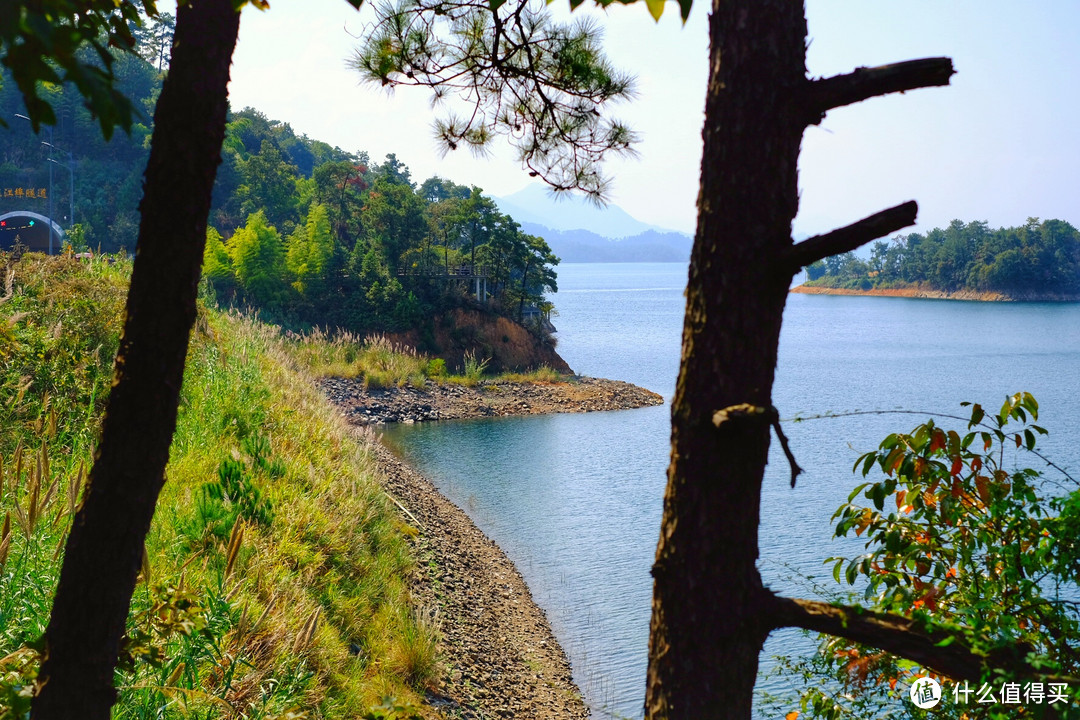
column 309, row 613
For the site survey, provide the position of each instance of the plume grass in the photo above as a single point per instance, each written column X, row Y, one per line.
column 301, row 538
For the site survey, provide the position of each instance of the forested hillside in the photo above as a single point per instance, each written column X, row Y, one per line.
column 311, row 233
column 1035, row 258
column 108, row 175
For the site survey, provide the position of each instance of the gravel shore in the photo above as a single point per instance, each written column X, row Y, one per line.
column 490, row 398
column 499, row 657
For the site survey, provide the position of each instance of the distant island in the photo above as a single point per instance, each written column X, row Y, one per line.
column 1037, row 261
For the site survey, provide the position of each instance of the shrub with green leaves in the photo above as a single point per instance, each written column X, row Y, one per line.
column 960, row 534
column 233, row 496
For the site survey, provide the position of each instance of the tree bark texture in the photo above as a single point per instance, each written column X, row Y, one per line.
column 711, row 613
column 851, row 237
column 708, row 623
column 942, row 651
column 105, row 548
column 864, row 83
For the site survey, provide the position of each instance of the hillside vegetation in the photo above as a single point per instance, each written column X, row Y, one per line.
column 306, row 232
column 1035, row 259
column 276, row 578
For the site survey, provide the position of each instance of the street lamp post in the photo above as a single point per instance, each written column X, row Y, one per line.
column 49, row 144
column 50, row 192
column 70, row 167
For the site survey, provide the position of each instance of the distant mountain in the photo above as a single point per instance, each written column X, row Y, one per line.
column 584, row 246
column 535, row 204
column 579, row 231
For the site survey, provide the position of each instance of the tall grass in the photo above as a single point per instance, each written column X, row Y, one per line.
column 472, row 371
column 379, row 361
column 273, row 556
column 382, row 363
column 541, row 375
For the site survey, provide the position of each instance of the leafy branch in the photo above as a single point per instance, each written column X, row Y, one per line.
column 507, row 71
column 964, row 577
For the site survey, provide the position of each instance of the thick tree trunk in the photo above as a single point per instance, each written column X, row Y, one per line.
column 105, row 547
column 710, row 612
column 708, row 624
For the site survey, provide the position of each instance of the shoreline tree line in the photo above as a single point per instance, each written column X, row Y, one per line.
column 1036, row 257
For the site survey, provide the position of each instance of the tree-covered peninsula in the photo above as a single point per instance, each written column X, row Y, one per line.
column 1037, row 260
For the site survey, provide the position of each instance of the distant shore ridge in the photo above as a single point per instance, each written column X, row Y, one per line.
column 921, row 292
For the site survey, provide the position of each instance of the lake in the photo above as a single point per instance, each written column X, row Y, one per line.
column 575, row 500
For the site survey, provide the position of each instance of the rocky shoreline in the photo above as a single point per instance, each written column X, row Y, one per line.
column 499, row 658
column 490, row 398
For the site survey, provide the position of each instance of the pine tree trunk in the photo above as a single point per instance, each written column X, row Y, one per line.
column 105, row 548
column 708, row 620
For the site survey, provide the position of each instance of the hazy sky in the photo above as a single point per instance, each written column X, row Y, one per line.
column 1002, row 143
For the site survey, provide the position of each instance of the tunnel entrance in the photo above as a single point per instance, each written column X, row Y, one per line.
column 30, row 230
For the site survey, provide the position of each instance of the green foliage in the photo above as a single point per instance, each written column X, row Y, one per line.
column 436, row 368
column 339, row 185
column 217, row 265
column 393, row 219
column 268, row 184
column 154, row 41
column 387, row 364
column 75, row 238
column 235, row 490
column 108, row 175
column 544, row 86
column 1039, row 258
column 255, row 618
column 58, row 336
column 44, row 42
column 235, row 495
column 408, row 312
column 380, row 361
column 259, row 260
column 535, row 266
column 341, row 241
column 961, row 535
column 310, row 250
column 473, row 370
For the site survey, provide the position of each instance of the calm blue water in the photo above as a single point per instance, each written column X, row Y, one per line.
column 575, row 500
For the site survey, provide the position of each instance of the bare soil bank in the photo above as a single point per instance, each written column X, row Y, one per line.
column 491, row 398
column 507, row 345
column 916, row 292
